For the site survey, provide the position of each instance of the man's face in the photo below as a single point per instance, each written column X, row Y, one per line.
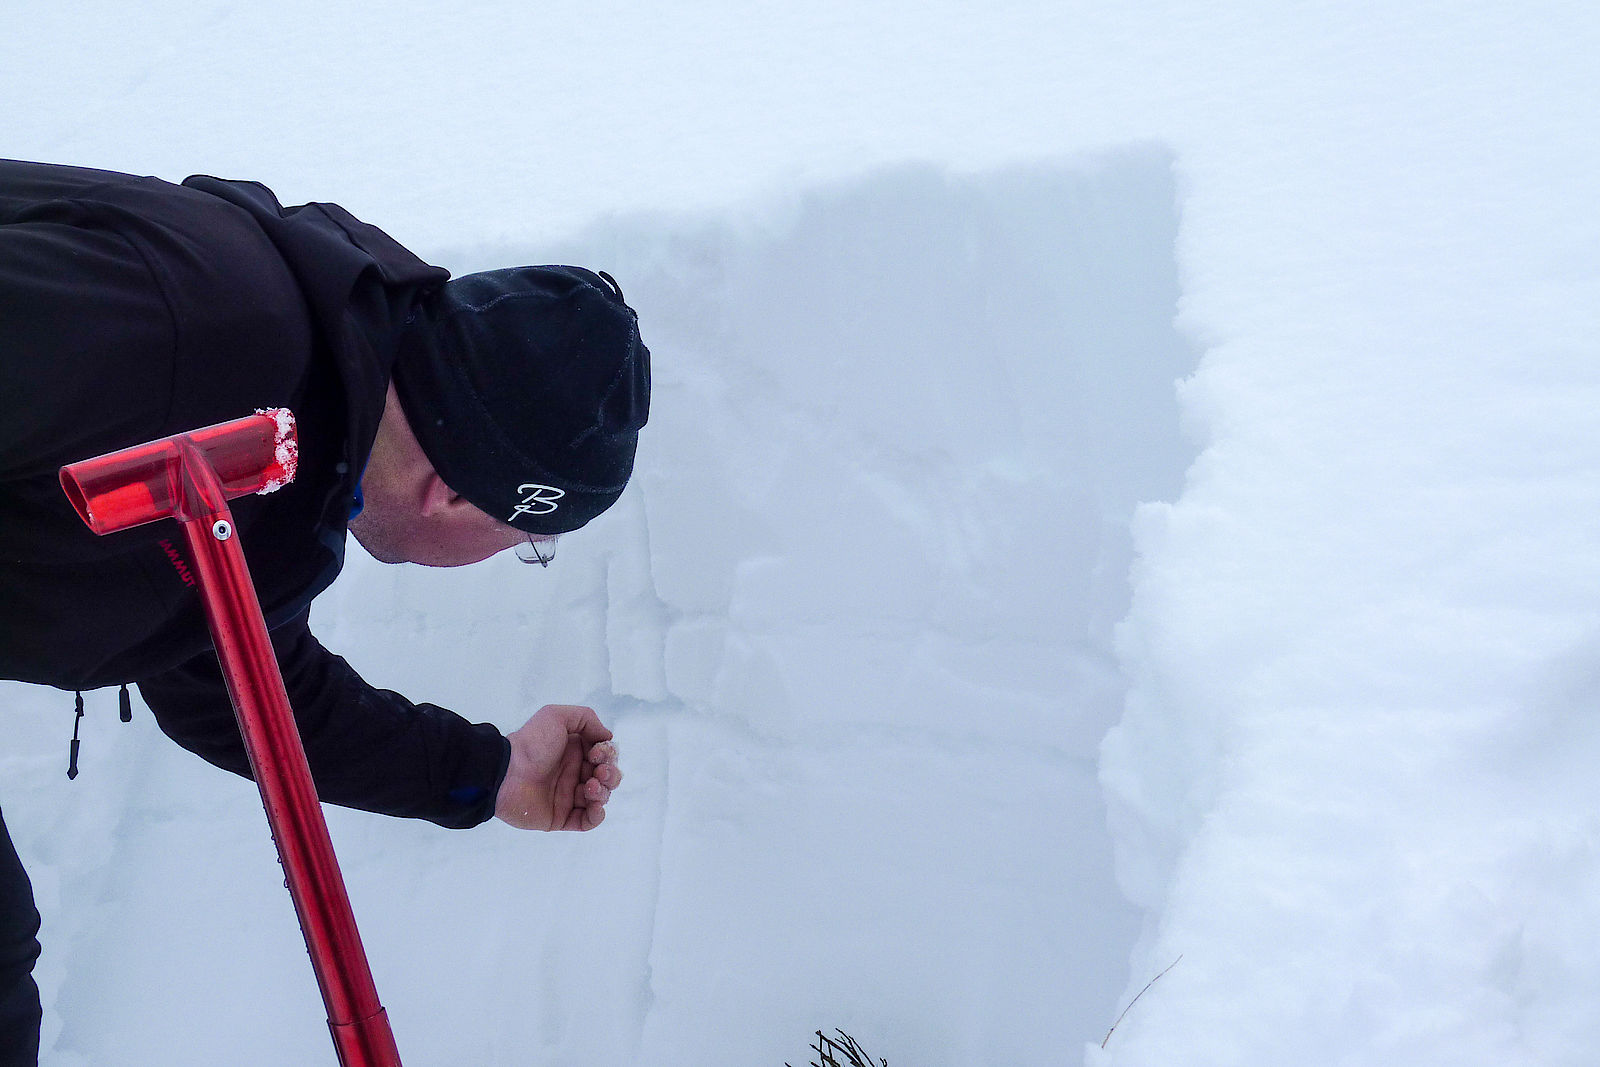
column 404, row 532
column 410, row 515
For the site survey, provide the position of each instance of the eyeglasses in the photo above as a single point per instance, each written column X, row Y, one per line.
column 538, row 548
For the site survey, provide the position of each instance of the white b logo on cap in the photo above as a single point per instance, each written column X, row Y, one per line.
column 538, row 500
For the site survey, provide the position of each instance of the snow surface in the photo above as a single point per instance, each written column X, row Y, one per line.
column 1121, row 486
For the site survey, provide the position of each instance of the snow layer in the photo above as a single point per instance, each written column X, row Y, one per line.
column 1167, row 418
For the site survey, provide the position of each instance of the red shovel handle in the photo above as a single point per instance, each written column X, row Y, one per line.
column 191, row 477
column 141, row 484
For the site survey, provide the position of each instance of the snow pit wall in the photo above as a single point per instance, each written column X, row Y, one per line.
column 853, row 625
column 905, row 424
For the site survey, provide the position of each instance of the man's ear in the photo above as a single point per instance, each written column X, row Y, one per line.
column 439, row 499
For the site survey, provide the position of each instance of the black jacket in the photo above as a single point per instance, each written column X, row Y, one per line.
column 132, row 309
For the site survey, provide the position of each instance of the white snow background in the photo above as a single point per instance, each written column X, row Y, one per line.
column 1121, row 486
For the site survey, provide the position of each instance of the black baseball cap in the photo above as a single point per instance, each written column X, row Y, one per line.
column 527, row 388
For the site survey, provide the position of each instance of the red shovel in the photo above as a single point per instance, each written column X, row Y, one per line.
column 191, row 477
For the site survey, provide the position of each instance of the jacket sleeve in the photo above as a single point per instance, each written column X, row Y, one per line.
column 368, row 748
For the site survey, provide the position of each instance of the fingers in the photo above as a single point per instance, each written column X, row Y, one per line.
column 580, row 720
column 592, row 811
column 594, row 730
column 590, row 777
column 604, row 756
column 605, row 776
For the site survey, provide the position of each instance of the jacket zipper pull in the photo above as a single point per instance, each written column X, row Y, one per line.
column 124, row 704
column 72, row 752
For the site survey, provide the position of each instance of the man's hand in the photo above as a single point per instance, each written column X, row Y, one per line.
column 563, row 769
